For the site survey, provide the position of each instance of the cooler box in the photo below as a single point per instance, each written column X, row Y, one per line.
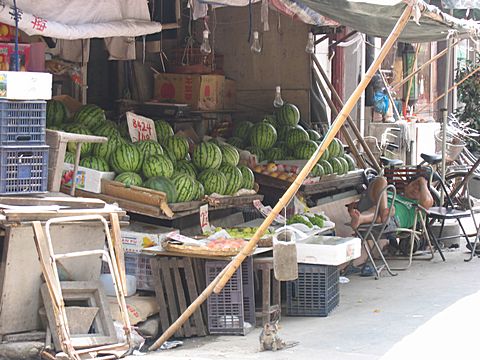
column 328, row 250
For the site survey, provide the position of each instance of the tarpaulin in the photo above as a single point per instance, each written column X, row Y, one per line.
column 461, row 4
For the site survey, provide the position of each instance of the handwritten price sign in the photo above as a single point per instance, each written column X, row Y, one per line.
column 140, row 127
column 204, row 222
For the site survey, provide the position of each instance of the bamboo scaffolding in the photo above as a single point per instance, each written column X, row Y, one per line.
column 219, row 282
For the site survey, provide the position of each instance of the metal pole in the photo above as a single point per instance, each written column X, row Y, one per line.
column 445, row 114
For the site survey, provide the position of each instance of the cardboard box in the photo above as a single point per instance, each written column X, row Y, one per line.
column 202, row 92
column 230, row 94
column 138, row 236
column 24, row 85
column 328, row 250
column 86, row 179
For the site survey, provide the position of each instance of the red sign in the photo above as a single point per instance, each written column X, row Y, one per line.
column 140, row 128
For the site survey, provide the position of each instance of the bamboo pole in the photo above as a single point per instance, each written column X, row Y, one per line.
column 219, row 282
column 351, row 123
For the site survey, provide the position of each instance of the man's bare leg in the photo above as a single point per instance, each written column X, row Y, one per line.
column 377, row 195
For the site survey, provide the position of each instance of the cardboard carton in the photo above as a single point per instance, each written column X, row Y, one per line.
column 24, row 85
column 137, row 236
column 86, row 179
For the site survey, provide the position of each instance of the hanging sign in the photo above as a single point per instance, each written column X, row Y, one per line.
column 140, row 128
column 204, row 222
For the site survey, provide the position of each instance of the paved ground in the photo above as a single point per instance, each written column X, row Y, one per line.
column 430, row 311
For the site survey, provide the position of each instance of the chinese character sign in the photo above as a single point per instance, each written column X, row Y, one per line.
column 140, row 128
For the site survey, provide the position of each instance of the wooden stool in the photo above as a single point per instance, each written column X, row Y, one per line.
column 269, row 304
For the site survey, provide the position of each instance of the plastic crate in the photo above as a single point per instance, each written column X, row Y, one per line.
column 22, row 123
column 315, row 292
column 137, row 265
column 229, row 311
column 23, row 169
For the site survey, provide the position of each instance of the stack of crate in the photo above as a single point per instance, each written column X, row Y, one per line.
column 23, row 152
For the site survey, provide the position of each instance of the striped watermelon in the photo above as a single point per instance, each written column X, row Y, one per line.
column 341, row 147
column 161, row 183
column 90, row 116
column 149, row 148
column 56, row 113
column 305, row 149
column 163, row 130
column 69, row 157
column 337, row 166
column 95, row 163
column 215, row 141
column 327, row 167
column 230, row 155
column 199, row 190
column 170, row 155
column 105, row 150
column 317, row 171
column 207, row 155
column 256, row 151
column 86, row 147
column 237, row 142
column 335, row 148
column 107, row 128
column 234, row 178
column 313, row 135
column 344, row 164
column 122, row 128
column 283, row 131
column 157, row 165
column 126, row 158
column 185, row 186
column 351, row 162
column 296, row 136
column 185, row 167
column 129, row 179
column 271, row 119
column 213, row 181
column 242, row 129
column 263, row 135
column 247, row 176
column 325, row 155
column 177, row 145
column 274, row 153
column 288, row 114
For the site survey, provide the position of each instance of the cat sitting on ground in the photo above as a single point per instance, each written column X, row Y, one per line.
column 269, row 339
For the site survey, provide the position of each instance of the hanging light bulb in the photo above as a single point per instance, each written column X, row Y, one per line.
column 310, row 48
column 278, row 101
column 205, row 48
column 256, row 48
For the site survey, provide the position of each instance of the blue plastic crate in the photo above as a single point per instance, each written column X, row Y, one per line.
column 23, row 169
column 22, row 123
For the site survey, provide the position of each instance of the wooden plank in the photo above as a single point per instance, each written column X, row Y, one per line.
column 158, row 283
column 233, row 200
column 118, row 249
column 73, row 203
column 32, row 215
column 172, row 306
column 200, row 329
column 175, row 265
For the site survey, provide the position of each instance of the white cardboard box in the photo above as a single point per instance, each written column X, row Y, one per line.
column 86, row 179
column 137, row 236
column 328, row 250
column 24, row 85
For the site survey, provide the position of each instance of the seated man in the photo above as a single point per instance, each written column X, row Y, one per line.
column 363, row 211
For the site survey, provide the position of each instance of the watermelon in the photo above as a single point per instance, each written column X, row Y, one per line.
column 129, row 179
column 215, row 141
column 105, row 150
column 344, row 164
column 157, row 165
column 234, row 178
column 185, row 167
column 283, row 131
column 163, row 130
column 242, row 129
column 207, row 156
column 335, row 148
column 305, row 149
column 263, row 135
column 72, row 146
column 90, row 116
column 317, row 171
column 95, row 163
column 288, row 114
column 199, row 190
column 213, row 181
column 314, row 135
column 69, row 157
column 351, row 162
column 337, row 166
column 56, row 113
column 122, row 128
column 149, row 148
column 170, row 155
column 256, row 151
column 247, row 176
column 271, row 119
column 107, row 128
column 341, row 148
column 230, row 155
column 295, row 136
column 274, row 153
column 177, row 145
column 325, row 155
column 235, row 141
column 327, row 167
column 161, row 183
column 185, row 186
column 126, row 158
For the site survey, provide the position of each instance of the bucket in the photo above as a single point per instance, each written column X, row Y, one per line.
column 455, row 145
column 285, row 265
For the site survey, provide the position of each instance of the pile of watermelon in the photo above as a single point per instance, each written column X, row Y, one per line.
column 169, row 164
column 280, row 137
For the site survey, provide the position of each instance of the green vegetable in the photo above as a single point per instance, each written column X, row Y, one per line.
column 317, row 220
column 299, row 219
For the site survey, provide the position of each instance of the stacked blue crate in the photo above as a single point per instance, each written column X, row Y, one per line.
column 23, row 152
